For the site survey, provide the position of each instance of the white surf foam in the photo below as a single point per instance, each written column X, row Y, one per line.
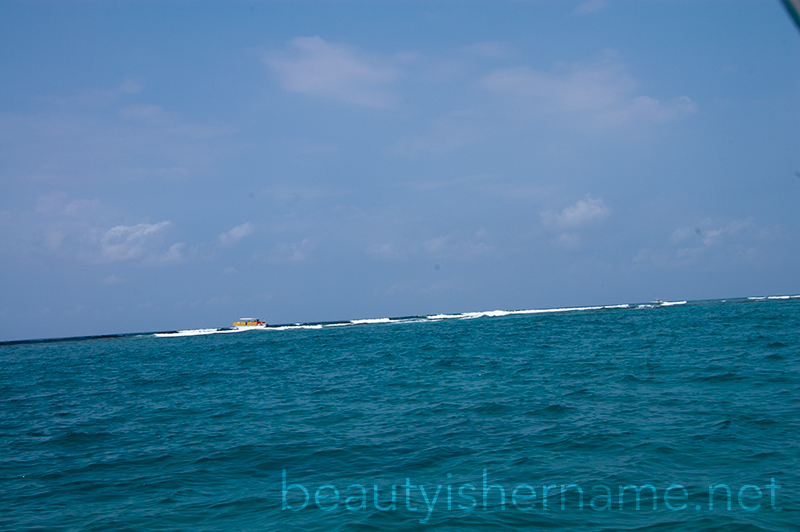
column 470, row 315
column 193, row 332
column 296, row 326
column 439, row 317
column 499, row 313
column 369, row 321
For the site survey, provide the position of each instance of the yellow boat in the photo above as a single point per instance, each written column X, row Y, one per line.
column 249, row 322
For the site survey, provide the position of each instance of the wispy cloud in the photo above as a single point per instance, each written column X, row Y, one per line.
column 596, row 95
column 590, row 6
column 84, row 230
column 386, row 251
column 573, row 219
column 288, row 252
column 173, row 254
column 104, row 135
column 237, row 233
column 313, row 66
column 714, row 243
column 122, row 242
column 692, row 241
column 583, row 212
column 57, row 203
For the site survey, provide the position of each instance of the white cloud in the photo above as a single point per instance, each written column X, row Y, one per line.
column 237, row 233
column 293, row 252
column 173, row 254
column 707, row 231
column 583, row 212
column 712, row 243
column 590, row 6
column 705, row 235
column 124, row 242
column 331, row 70
column 78, row 229
column 56, row 204
column 596, row 95
column 53, row 239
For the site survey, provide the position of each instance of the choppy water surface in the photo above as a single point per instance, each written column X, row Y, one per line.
column 471, row 423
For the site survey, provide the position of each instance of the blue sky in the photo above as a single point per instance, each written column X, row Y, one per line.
column 172, row 165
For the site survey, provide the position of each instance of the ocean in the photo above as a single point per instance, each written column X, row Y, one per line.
column 678, row 417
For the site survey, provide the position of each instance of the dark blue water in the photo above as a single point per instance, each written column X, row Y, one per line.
column 472, row 423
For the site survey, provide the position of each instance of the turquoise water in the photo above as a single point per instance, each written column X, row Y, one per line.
column 475, row 422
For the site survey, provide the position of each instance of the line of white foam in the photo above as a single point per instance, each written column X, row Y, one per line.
column 439, row 317
column 194, row 332
column 370, row 320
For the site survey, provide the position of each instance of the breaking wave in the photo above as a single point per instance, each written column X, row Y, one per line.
column 461, row 316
